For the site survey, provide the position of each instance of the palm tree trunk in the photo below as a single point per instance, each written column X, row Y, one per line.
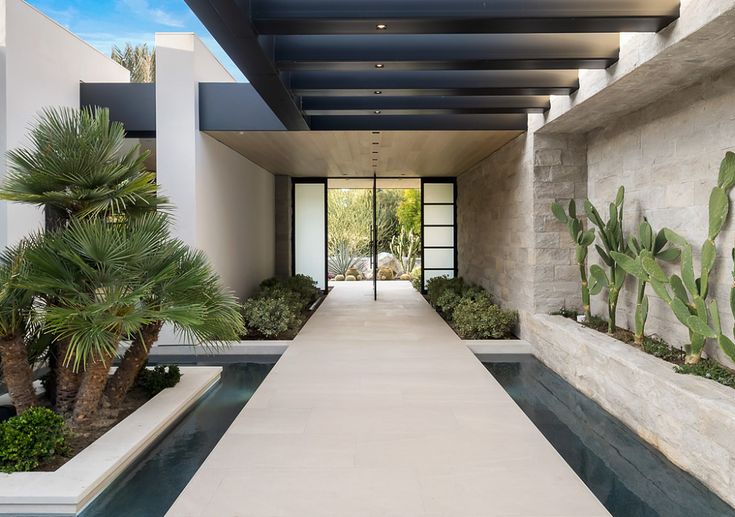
column 132, row 362
column 17, row 373
column 67, row 380
column 91, row 389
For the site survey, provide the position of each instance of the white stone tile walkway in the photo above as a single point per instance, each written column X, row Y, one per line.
column 378, row 409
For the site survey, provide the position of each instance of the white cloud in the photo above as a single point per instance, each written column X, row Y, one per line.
column 143, row 9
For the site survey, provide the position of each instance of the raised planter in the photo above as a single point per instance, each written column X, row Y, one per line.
column 76, row 483
column 691, row 420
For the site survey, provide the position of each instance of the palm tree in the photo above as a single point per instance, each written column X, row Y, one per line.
column 15, row 306
column 139, row 59
column 188, row 293
column 112, row 281
column 75, row 167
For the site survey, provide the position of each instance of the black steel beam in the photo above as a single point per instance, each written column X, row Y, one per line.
column 461, row 16
column 132, row 104
column 446, row 51
column 234, row 107
column 421, row 123
column 434, row 83
column 229, row 22
column 423, row 105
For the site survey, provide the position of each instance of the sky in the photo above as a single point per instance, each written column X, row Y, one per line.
column 104, row 23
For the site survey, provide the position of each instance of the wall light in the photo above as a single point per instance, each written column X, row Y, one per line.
column 381, row 26
column 379, row 65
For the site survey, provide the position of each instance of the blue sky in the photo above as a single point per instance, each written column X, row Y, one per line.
column 104, row 23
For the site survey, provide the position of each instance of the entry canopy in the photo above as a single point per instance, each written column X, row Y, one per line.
column 421, row 64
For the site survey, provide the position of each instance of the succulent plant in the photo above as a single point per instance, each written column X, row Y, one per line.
column 350, row 278
column 647, row 247
column 687, row 294
column 582, row 239
column 339, row 278
column 611, row 236
column 404, row 276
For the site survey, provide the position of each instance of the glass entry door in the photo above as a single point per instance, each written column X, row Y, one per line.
column 309, row 212
column 438, row 228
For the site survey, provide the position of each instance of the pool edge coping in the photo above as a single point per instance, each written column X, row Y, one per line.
column 75, row 484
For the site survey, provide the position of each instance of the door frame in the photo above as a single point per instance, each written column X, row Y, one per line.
column 440, row 179
column 310, row 180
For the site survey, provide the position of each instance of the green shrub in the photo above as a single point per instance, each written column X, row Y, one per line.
column 289, row 297
column 29, row 438
column 155, row 380
column 305, row 286
column 302, row 286
column 436, row 286
column 479, row 318
column 450, row 298
column 269, row 317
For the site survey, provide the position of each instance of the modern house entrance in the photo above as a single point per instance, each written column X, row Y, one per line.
column 325, row 252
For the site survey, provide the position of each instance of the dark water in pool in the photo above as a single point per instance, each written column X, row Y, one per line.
column 631, row 478
column 150, row 487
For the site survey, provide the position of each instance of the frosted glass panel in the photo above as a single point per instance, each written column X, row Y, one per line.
column 431, row 274
column 310, row 231
column 439, row 258
column 439, row 214
column 438, row 193
column 439, row 236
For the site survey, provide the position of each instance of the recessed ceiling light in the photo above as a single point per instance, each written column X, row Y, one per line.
column 375, row 152
column 377, row 112
column 379, row 65
column 377, row 92
column 381, row 26
column 376, row 143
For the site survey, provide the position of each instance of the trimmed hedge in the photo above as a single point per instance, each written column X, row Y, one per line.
column 27, row 439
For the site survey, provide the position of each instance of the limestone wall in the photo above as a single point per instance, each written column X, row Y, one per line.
column 667, row 156
column 494, row 233
column 691, row 420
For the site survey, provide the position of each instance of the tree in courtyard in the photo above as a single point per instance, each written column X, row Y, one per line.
column 106, row 270
column 139, row 59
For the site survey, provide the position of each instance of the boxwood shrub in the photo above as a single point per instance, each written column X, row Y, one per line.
column 28, row 439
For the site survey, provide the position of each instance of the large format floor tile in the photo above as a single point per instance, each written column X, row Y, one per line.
column 378, row 409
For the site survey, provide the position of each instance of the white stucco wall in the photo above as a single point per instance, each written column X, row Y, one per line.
column 41, row 65
column 224, row 202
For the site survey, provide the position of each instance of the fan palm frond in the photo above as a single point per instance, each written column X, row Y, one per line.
column 75, row 163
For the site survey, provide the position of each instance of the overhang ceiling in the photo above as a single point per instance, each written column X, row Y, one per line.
column 360, row 153
column 420, row 64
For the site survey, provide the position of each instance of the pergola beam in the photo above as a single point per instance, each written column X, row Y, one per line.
column 232, row 28
column 461, row 16
column 446, row 51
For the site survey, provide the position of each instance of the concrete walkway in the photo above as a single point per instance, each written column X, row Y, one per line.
column 378, row 409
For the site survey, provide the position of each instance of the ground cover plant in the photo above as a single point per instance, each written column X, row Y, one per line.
column 105, row 271
column 686, row 292
column 469, row 309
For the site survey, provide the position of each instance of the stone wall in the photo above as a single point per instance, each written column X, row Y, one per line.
column 667, row 156
column 494, row 231
column 691, row 420
column 509, row 242
column 560, row 174
column 283, row 225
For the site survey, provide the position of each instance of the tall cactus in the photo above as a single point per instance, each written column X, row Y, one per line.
column 582, row 239
column 644, row 248
column 611, row 236
column 688, row 295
